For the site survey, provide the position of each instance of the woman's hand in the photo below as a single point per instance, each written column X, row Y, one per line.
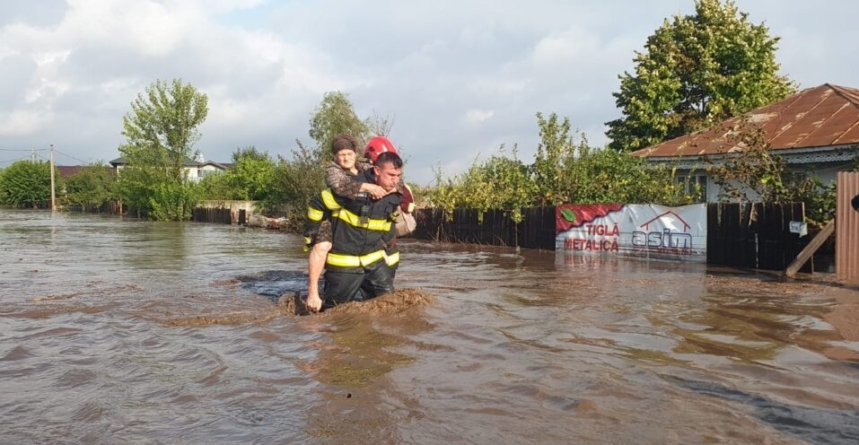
column 374, row 190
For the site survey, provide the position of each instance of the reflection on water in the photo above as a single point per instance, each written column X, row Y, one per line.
column 815, row 424
column 126, row 331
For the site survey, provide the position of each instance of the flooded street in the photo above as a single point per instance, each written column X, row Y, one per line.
column 120, row 331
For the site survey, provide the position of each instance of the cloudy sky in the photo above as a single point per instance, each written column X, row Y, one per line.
column 458, row 79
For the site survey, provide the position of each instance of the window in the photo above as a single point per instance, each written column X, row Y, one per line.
column 695, row 185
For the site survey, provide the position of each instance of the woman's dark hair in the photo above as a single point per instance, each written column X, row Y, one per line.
column 343, row 142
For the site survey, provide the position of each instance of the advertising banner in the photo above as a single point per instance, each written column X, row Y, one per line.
column 635, row 230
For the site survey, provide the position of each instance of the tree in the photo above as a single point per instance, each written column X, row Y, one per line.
column 296, row 181
column 696, row 71
column 564, row 171
column 378, row 125
column 252, row 177
column 161, row 131
column 91, row 187
column 26, row 183
column 334, row 116
column 755, row 174
column 217, row 186
column 499, row 183
column 556, row 148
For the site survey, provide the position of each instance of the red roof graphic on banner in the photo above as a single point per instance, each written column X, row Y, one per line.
column 576, row 215
column 686, row 225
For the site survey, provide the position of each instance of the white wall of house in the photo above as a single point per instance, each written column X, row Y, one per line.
column 827, row 175
column 207, row 169
column 193, row 172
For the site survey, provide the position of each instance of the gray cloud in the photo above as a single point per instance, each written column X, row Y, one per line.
column 459, row 79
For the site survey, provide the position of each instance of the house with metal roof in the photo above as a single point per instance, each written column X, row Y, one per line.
column 815, row 130
column 195, row 169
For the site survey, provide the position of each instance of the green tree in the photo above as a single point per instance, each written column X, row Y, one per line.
column 564, row 171
column 696, row 71
column 161, row 131
column 597, row 176
column 501, row 182
column 252, row 177
column 556, row 149
column 296, row 181
column 27, row 184
column 333, row 116
column 756, row 174
column 217, row 186
column 91, row 187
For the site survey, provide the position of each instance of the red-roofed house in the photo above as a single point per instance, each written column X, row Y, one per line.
column 816, row 129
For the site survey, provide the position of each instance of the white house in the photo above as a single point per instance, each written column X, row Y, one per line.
column 816, row 129
column 196, row 170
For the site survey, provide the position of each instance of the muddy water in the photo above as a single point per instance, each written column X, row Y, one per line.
column 123, row 331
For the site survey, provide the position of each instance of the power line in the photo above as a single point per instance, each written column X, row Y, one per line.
column 72, row 157
column 15, row 160
column 24, row 149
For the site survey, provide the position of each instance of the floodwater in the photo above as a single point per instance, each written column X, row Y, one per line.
column 120, row 331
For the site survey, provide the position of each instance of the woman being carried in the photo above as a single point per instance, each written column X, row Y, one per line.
column 341, row 176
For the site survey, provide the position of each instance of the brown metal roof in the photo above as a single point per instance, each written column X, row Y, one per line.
column 66, row 171
column 824, row 116
column 69, row 170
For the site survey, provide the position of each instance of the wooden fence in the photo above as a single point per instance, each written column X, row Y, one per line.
column 492, row 227
column 847, row 228
column 754, row 236
column 750, row 236
column 219, row 215
column 225, row 212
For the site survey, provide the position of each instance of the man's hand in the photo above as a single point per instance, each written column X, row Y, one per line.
column 313, row 303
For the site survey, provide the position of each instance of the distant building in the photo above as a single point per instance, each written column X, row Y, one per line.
column 69, row 170
column 816, row 129
column 196, row 170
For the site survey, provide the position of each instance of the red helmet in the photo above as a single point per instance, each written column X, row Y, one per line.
column 376, row 145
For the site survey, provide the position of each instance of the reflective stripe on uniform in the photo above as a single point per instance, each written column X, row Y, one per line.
column 341, row 260
column 382, row 225
column 393, row 259
column 314, row 215
column 329, row 201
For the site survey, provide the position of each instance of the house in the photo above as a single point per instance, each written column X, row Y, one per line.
column 209, row 167
column 196, row 170
column 816, row 129
column 66, row 171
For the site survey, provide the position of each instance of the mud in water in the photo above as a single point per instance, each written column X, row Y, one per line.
column 124, row 331
column 293, row 304
column 388, row 304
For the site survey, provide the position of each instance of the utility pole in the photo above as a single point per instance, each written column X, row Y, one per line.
column 53, row 193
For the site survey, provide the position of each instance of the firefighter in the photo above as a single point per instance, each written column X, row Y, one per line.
column 362, row 255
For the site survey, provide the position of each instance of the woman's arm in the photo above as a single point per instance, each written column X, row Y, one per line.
column 341, row 182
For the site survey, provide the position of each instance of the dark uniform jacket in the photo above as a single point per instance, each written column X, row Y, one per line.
column 363, row 229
